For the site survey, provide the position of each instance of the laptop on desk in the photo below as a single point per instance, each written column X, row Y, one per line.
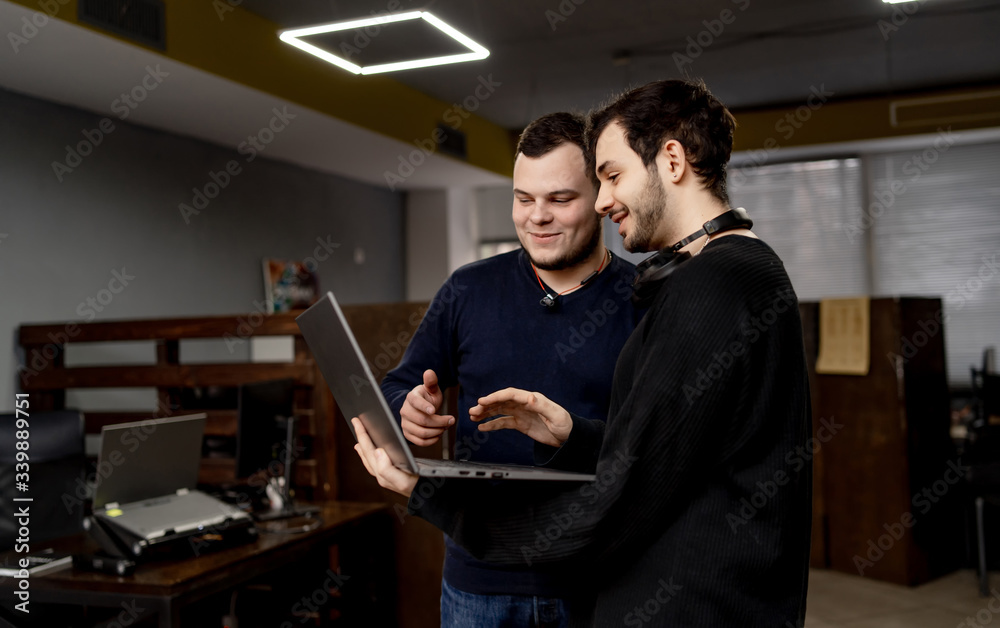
column 353, row 386
column 145, row 494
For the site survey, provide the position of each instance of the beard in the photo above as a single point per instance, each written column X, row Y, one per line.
column 571, row 257
column 647, row 214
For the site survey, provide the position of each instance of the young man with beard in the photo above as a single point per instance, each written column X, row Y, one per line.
column 552, row 316
column 710, row 396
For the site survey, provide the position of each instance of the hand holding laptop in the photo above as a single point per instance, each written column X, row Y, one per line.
column 377, row 463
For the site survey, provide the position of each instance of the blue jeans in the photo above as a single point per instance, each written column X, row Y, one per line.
column 468, row 610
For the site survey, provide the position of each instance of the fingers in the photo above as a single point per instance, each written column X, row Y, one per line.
column 506, row 395
column 424, row 419
column 421, row 436
column 364, row 440
column 392, row 478
column 426, row 430
column 531, row 413
column 364, row 446
column 481, row 412
column 423, row 429
column 431, row 382
column 367, row 451
column 506, row 401
column 421, row 400
column 420, row 425
column 378, row 464
column 500, row 423
column 364, row 460
column 417, row 431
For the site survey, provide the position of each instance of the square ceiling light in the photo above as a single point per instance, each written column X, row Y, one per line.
column 328, row 50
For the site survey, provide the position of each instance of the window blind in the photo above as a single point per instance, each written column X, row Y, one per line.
column 939, row 235
column 805, row 212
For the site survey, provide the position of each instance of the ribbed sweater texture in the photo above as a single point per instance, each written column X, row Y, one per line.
column 700, row 512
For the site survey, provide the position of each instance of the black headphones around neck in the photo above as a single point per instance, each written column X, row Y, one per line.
column 651, row 272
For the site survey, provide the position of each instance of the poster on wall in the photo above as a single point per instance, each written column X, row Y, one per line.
column 289, row 285
column 844, row 336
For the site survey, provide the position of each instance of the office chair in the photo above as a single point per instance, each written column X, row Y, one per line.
column 982, row 458
column 57, row 473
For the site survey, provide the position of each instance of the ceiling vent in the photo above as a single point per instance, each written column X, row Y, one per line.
column 139, row 20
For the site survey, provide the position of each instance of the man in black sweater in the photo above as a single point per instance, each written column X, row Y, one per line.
column 698, row 516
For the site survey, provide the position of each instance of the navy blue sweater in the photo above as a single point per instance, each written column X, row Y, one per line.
column 485, row 330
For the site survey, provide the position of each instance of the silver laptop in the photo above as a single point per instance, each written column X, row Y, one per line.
column 146, row 477
column 353, row 386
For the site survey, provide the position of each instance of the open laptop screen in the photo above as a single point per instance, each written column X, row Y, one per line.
column 350, row 379
column 147, row 459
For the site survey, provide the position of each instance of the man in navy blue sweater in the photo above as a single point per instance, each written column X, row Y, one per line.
column 552, row 317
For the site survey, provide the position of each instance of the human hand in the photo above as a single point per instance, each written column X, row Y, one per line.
column 421, row 425
column 530, row 413
column 377, row 463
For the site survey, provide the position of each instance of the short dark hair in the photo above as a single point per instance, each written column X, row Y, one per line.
column 683, row 110
column 551, row 131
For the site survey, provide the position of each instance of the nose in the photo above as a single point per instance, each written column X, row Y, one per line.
column 540, row 213
column 605, row 201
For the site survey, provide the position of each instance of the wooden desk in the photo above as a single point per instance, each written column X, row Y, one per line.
column 366, row 558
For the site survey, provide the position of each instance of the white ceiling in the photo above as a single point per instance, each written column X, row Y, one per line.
column 75, row 66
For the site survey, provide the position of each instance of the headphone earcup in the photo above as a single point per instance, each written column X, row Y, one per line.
column 652, row 272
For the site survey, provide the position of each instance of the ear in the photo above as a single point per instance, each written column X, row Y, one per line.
column 672, row 161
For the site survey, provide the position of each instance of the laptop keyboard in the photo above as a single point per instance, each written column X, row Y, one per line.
column 154, row 517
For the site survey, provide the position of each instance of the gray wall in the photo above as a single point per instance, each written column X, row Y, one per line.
column 426, row 243
column 119, row 210
column 493, row 213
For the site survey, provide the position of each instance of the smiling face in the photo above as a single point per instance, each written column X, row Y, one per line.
column 554, row 208
column 631, row 194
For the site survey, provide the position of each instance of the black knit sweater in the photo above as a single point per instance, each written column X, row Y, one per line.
column 700, row 513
